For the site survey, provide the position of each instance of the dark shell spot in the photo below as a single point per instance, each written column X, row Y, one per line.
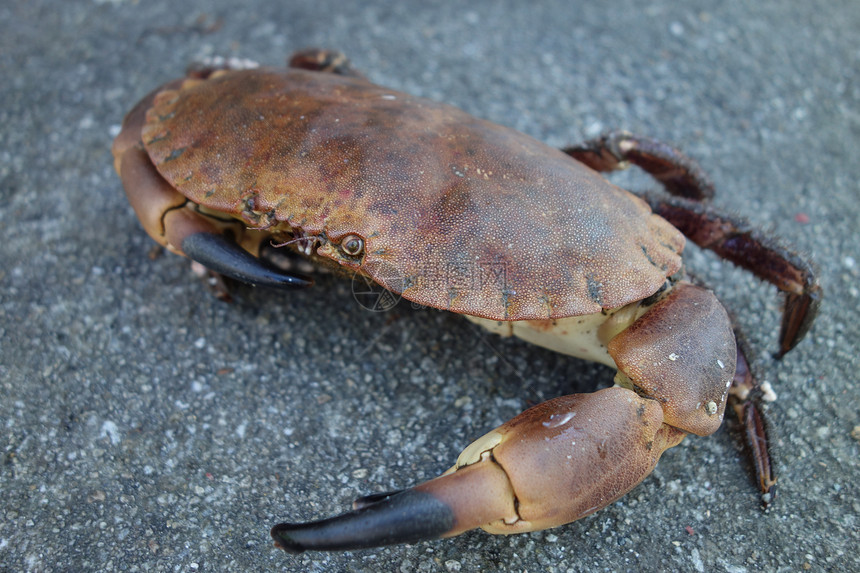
column 594, row 288
column 647, row 256
column 175, row 154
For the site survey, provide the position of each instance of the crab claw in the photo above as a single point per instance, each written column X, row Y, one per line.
column 554, row 463
column 222, row 255
column 168, row 218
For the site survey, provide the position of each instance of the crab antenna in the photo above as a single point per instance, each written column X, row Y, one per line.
column 305, row 243
column 220, row 254
column 403, row 517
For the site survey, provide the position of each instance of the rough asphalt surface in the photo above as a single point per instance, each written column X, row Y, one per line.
column 149, row 427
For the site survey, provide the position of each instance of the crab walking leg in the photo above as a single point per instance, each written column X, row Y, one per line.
column 554, row 463
column 746, row 396
column 735, row 240
column 678, row 173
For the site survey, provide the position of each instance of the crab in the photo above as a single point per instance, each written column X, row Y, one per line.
column 460, row 214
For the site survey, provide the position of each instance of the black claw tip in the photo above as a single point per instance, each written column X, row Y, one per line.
column 220, row 254
column 283, row 540
column 385, row 519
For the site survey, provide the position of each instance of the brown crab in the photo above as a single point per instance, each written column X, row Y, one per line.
column 460, row 214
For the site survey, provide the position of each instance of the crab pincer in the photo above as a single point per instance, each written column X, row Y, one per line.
column 554, row 463
column 178, row 224
column 565, row 458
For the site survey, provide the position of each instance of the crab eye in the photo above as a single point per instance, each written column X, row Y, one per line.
column 352, row 245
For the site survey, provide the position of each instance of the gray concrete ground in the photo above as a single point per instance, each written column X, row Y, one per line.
column 149, row 427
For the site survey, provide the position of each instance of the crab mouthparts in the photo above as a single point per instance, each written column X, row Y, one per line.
column 304, row 243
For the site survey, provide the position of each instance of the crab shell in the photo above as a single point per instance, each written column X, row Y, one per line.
column 454, row 212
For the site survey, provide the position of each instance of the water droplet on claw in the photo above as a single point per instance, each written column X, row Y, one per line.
column 556, row 420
